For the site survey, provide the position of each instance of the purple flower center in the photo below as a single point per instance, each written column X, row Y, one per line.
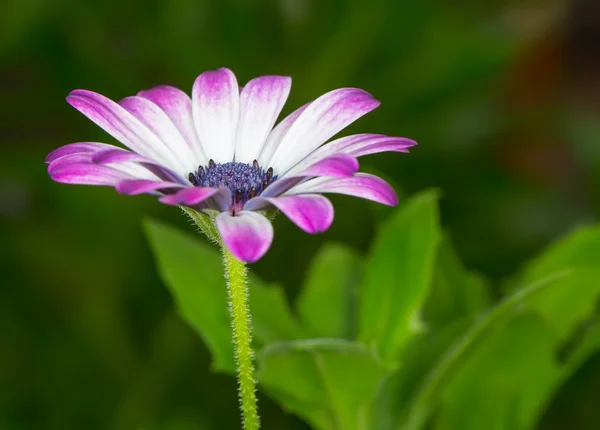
column 244, row 180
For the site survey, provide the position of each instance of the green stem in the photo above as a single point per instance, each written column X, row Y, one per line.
column 237, row 288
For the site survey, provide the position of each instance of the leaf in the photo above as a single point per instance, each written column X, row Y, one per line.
column 419, row 357
column 581, row 248
column 503, row 370
column 193, row 271
column 511, row 369
column 327, row 301
column 398, row 274
column 456, row 297
column 328, row 382
column 272, row 319
column 455, row 293
column 194, row 274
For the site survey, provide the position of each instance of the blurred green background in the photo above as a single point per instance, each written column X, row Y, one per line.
column 502, row 97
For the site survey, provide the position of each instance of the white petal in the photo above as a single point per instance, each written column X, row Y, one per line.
column 123, row 126
column 178, row 106
column 275, row 137
column 261, row 101
column 321, row 120
column 216, row 110
column 161, row 125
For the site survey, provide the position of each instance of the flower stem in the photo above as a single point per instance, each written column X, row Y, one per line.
column 237, row 288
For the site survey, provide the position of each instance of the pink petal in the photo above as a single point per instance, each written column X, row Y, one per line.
column 132, row 187
column 75, row 158
column 311, row 212
column 156, row 120
column 122, row 170
column 120, row 158
column 117, row 155
column 364, row 144
column 261, row 101
column 178, row 106
column 248, row 235
column 356, row 146
column 123, row 126
column 362, row 185
column 86, row 174
column 76, row 148
column 280, row 186
column 275, row 137
column 191, row 196
column 322, row 119
column 216, row 109
column 336, row 165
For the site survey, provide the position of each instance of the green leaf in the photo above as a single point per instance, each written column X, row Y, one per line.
column 456, row 297
column 500, row 374
column 272, row 319
column 419, row 357
column 193, row 271
column 328, row 382
column 455, row 293
column 581, row 248
column 398, row 274
column 327, row 301
column 194, row 274
column 511, row 369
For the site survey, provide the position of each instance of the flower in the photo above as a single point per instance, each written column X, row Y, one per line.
column 218, row 150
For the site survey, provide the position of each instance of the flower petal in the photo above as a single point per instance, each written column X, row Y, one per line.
column 119, row 158
column 248, row 235
column 280, row 186
column 336, row 165
column 275, row 137
column 76, row 158
column 311, row 212
column 178, row 106
column 86, row 174
column 216, row 110
column 132, row 187
column 123, row 126
column 261, row 101
column 127, row 164
column 117, row 155
column 191, row 196
column 76, row 148
column 356, row 146
column 114, row 157
column 322, row 119
column 362, row 185
column 157, row 121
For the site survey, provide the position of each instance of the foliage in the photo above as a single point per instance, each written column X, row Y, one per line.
column 406, row 337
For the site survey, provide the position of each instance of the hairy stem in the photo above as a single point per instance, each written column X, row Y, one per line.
column 237, row 288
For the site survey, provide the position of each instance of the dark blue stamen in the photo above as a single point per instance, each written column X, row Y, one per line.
column 244, row 180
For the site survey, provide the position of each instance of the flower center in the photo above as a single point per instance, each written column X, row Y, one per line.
column 244, row 180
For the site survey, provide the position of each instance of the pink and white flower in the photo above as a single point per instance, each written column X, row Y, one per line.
column 219, row 150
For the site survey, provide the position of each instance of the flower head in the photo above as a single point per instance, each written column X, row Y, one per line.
column 218, row 151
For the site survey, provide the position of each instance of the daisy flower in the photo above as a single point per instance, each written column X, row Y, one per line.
column 218, row 150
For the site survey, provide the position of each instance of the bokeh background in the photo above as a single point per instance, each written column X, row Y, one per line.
column 503, row 97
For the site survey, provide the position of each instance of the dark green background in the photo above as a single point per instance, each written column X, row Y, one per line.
column 503, row 97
